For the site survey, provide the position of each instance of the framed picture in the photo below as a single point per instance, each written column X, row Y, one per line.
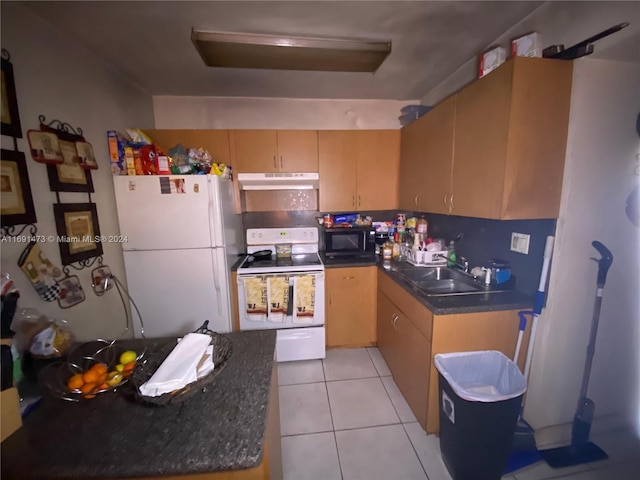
column 69, row 176
column 78, row 231
column 71, row 292
column 44, row 147
column 16, row 205
column 10, row 117
column 85, row 155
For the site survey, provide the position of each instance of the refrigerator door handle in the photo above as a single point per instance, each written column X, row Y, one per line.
column 216, row 282
column 215, row 212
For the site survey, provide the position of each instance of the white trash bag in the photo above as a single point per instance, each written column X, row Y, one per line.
column 484, row 376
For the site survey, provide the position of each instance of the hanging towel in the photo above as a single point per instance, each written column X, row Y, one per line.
column 255, row 291
column 305, row 299
column 278, row 293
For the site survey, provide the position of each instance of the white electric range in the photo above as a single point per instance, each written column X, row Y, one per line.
column 285, row 293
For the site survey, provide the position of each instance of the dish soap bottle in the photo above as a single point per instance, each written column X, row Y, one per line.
column 422, row 226
column 451, row 254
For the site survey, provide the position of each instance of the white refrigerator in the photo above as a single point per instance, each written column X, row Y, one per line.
column 182, row 235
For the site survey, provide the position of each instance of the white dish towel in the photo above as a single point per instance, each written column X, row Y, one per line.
column 190, row 359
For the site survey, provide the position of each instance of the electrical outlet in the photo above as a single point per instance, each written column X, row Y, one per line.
column 520, row 242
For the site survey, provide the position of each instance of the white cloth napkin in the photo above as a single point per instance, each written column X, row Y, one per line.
column 190, row 359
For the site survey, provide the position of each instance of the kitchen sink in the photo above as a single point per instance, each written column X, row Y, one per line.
column 441, row 281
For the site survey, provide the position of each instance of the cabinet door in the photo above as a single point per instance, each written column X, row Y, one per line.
column 338, row 153
column 378, row 159
column 435, row 187
column 481, row 125
column 298, row 151
column 388, row 339
column 412, row 165
column 351, row 303
column 256, row 151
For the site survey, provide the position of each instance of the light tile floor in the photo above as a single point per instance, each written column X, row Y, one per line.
column 344, row 418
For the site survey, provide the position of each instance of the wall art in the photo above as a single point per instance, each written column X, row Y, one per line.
column 16, row 205
column 10, row 117
column 78, row 231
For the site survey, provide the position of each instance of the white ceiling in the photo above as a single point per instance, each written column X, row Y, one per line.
column 149, row 42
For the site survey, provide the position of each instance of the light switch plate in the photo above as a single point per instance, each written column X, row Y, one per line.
column 520, row 242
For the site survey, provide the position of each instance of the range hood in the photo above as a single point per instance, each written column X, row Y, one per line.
column 278, row 181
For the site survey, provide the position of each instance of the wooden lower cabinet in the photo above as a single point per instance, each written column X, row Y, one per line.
column 350, row 304
column 409, row 336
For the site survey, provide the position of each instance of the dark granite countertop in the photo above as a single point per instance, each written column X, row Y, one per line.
column 453, row 304
column 114, row 436
column 346, row 262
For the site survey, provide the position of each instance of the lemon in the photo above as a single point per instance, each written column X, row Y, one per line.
column 115, row 379
column 128, row 357
column 120, row 367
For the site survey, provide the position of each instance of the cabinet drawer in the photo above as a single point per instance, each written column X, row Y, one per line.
column 417, row 313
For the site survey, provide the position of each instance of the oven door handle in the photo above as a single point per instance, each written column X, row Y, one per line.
column 290, row 302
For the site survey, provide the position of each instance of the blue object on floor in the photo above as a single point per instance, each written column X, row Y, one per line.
column 522, row 458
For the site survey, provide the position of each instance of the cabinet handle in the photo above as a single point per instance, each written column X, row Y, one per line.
column 415, row 199
column 348, row 278
column 451, row 201
column 275, row 162
column 394, row 320
column 359, row 201
column 329, row 299
column 281, row 165
column 353, row 200
column 444, row 200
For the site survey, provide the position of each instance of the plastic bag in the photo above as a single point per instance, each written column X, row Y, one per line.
column 40, row 335
column 484, row 376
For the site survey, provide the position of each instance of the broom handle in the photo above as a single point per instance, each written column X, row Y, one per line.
column 603, row 267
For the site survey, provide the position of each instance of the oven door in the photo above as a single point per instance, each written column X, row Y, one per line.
column 280, row 301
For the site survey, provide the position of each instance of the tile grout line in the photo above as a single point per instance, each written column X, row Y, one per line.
column 404, row 429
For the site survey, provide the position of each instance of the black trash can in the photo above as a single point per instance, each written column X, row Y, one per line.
column 480, row 395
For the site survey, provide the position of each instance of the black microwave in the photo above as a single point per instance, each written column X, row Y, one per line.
column 354, row 241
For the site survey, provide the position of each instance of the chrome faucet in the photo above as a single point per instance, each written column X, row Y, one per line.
column 461, row 262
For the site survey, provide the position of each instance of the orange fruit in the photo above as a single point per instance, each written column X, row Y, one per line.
column 99, row 368
column 90, row 376
column 75, row 382
column 89, row 396
column 103, row 386
column 88, row 387
column 128, row 369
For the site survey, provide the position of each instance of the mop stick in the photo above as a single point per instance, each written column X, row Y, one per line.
column 537, row 309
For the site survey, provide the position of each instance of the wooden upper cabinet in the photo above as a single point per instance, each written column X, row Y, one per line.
column 435, row 183
column 510, row 141
column 377, row 176
column 337, row 167
column 358, row 169
column 216, row 142
column 298, row 151
column 268, row 151
column 412, row 164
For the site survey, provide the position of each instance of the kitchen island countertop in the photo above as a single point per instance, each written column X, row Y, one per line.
column 115, row 436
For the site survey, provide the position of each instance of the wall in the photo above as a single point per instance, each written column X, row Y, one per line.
column 56, row 78
column 281, row 113
column 602, row 153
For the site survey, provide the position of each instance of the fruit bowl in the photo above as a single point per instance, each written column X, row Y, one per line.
column 82, row 377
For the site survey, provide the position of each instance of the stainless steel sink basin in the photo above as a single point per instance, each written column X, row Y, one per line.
column 440, row 281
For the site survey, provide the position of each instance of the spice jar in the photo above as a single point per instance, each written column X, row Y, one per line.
column 387, row 251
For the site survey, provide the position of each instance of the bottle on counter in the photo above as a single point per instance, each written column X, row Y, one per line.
column 451, row 254
column 395, row 254
column 387, row 251
column 422, row 226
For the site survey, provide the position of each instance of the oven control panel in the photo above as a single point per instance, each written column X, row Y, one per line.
column 274, row 236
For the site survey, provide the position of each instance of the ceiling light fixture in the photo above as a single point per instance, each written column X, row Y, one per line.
column 235, row 50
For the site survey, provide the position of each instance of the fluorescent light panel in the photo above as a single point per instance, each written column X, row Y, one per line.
column 233, row 50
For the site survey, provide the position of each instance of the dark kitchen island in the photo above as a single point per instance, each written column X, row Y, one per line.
column 229, row 431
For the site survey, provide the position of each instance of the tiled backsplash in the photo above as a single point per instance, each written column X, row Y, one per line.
column 483, row 239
